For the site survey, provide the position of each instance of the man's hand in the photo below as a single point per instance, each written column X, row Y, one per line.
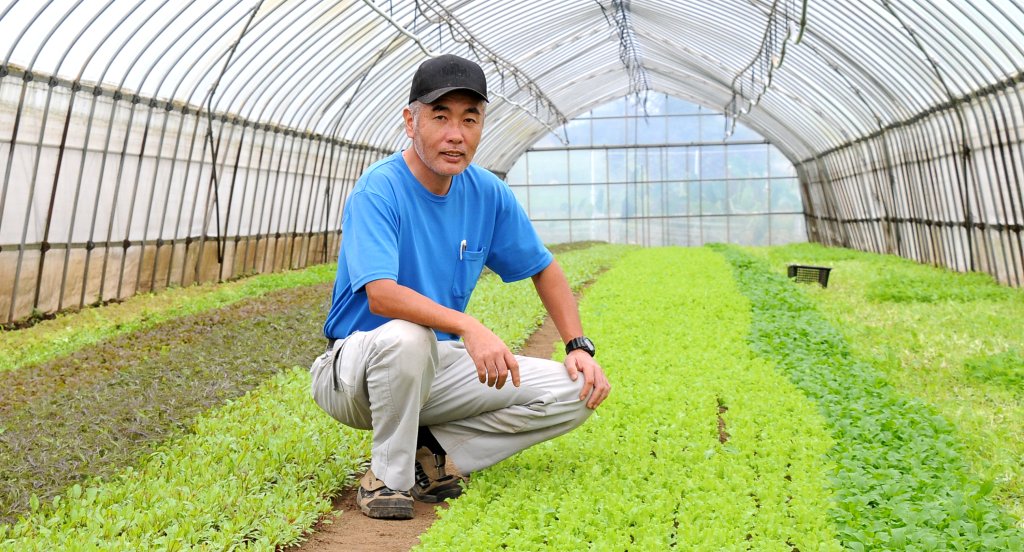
column 494, row 362
column 579, row 362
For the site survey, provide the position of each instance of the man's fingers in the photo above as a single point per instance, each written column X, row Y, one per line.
column 513, row 367
column 574, row 370
column 492, row 374
column 502, row 373
column 588, row 383
column 601, row 391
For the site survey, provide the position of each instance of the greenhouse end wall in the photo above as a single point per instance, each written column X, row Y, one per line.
column 106, row 195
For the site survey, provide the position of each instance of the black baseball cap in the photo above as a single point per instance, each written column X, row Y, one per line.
column 443, row 74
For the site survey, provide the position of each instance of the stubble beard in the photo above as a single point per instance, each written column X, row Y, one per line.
column 431, row 163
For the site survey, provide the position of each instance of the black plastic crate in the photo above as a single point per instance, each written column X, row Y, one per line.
column 804, row 273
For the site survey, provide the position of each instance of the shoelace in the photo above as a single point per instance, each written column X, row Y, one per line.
column 387, row 491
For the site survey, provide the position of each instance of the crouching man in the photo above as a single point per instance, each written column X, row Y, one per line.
column 418, row 229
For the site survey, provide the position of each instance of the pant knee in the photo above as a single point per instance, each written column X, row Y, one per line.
column 414, row 344
column 581, row 414
column 405, row 333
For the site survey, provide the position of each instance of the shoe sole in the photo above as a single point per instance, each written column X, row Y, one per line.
column 385, row 508
column 387, row 512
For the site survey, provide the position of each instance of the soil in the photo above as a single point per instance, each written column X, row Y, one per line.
column 347, row 529
column 131, row 392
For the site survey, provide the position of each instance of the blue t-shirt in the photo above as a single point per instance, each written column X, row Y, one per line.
column 394, row 228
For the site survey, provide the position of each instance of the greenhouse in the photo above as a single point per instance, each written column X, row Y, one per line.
column 793, row 230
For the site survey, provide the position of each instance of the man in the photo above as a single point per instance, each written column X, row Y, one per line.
column 418, row 228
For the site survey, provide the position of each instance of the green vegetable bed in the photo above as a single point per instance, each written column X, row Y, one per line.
column 701, row 446
column 954, row 341
column 741, row 417
column 901, row 482
column 255, row 473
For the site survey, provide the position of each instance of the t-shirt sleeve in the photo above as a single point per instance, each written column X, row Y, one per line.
column 370, row 233
column 516, row 249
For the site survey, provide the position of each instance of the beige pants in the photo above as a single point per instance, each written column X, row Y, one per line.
column 399, row 377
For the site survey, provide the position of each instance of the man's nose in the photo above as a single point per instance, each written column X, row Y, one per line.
column 453, row 133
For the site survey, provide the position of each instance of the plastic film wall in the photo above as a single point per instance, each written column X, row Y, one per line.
column 132, row 195
column 926, row 111
column 944, row 189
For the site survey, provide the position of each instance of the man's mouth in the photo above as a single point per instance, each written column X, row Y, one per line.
column 453, row 155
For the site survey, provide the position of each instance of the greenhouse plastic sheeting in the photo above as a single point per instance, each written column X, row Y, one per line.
column 159, row 142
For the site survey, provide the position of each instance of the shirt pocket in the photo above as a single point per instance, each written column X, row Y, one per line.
column 467, row 271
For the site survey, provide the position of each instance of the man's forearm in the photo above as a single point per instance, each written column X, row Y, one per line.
column 555, row 293
column 389, row 299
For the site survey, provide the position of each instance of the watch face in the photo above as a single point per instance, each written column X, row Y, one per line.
column 581, row 343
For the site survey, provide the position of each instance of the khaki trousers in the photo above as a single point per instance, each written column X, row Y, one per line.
column 398, row 377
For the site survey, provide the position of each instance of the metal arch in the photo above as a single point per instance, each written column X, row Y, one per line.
column 887, row 92
column 383, row 88
column 209, row 28
column 503, row 163
column 254, row 95
column 813, row 36
column 885, row 89
column 333, row 126
column 301, row 116
column 278, row 83
column 469, row 40
column 991, row 131
column 190, row 98
column 962, row 176
column 24, row 30
column 872, row 138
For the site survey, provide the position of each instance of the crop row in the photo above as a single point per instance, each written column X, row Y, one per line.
column 71, row 331
column 254, row 473
column 952, row 340
column 701, row 445
column 900, row 482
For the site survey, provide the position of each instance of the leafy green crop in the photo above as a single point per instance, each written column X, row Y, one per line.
column 960, row 354
column 255, row 473
column 903, row 284
column 1006, row 369
column 105, row 406
column 900, row 482
column 514, row 310
column 650, row 470
column 71, row 331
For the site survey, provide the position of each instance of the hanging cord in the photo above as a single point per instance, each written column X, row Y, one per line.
column 769, row 57
column 209, row 133
column 629, row 49
column 483, row 54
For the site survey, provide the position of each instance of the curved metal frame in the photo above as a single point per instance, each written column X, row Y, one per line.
column 903, row 118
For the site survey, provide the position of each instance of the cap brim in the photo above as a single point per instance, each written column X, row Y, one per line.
column 436, row 94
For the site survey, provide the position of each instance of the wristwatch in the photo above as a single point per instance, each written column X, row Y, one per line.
column 581, row 342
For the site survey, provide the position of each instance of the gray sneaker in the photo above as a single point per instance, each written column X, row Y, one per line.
column 433, row 483
column 378, row 501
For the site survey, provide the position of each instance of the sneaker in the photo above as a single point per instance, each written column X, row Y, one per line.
column 377, row 501
column 433, row 483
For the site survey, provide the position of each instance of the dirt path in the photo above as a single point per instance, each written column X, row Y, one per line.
column 350, row 530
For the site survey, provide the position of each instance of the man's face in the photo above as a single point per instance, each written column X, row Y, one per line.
column 446, row 133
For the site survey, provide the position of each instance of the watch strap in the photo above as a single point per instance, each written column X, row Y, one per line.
column 581, row 342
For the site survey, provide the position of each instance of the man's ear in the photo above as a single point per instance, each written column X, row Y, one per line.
column 407, row 115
